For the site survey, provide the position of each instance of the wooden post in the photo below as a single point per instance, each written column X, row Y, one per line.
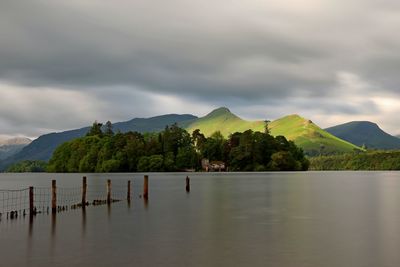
column 84, row 189
column 31, row 200
column 187, row 184
column 53, row 196
column 146, row 187
column 108, row 191
column 128, row 197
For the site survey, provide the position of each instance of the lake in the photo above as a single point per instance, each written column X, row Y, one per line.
column 228, row 219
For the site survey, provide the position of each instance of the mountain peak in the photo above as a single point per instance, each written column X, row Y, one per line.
column 15, row 141
column 219, row 111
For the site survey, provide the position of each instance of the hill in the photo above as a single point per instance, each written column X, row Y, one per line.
column 223, row 120
column 309, row 136
column 43, row 147
column 365, row 133
column 11, row 146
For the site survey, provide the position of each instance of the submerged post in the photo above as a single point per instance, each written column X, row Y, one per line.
column 128, row 197
column 84, row 189
column 31, row 200
column 53, row 196
column 187, row 184
column 108, row 191
column 146, row 187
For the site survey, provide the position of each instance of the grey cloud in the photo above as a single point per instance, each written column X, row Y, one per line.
column 125, row 53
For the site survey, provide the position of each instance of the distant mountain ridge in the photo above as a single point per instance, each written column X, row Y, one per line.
column 303, row 132
column 365, row 133
column 15, row 141
column 11, row 146
column 43, row 147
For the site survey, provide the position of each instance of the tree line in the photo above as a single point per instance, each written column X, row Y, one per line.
column 28, row 166
column 174, row 149
column 370, row 160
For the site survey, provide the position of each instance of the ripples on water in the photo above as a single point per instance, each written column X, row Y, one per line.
column 242, row 219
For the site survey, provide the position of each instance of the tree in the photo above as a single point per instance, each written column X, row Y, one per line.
column 95, row 129
column 108, row 129
column 284, row 161
column 187, row 158
column 214, row 147
column 266, row 127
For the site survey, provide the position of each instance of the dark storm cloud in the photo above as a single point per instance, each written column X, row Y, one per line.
column 70, row 44
column 298, row 56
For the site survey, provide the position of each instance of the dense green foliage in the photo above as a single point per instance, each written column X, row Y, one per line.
column 174, row 149
column 28, row 166
column 372, row 160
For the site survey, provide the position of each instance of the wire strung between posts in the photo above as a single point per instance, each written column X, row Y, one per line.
column 17, row 202
column 14, row 202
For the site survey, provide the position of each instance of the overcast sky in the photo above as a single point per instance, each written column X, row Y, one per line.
column 64, row 64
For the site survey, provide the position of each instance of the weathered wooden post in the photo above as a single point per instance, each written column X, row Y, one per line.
column 108, row 191
column 84, row 189
column 128, row 197
column 187, row 184
column 146, row 187
column 31, row 199
column 53, row 196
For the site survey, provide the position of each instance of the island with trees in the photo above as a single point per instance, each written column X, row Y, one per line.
column 175, row 149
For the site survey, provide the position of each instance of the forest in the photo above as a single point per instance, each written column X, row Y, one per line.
column 174, row 149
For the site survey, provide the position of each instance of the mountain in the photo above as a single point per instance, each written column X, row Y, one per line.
column 11, row 146
column 43, row 147
column 303, row 132
column 365, row 133
column 223, row 120
column 309, row 136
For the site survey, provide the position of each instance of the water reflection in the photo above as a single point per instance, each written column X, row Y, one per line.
column 146, row 203
column 285, row 220
column 83, row 222
column 30, row 237
column 109, row 211
column 53, row 239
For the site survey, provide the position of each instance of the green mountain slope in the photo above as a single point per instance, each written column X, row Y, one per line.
column 222, row 120
column 365, row 133
column 309, row 136
column 303, row 132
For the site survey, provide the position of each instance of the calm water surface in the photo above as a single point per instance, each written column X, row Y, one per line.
column 244, row 219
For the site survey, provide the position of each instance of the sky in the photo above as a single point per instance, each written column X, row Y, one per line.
column 64, row 64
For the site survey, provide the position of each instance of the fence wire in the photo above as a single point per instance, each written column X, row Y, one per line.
column 14, row 201
column 17, row 202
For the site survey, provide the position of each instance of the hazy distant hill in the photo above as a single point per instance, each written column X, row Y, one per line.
column 303, row 132
column 43, row 147
column 309, row 136
column 365, row 133
column 11, row 146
